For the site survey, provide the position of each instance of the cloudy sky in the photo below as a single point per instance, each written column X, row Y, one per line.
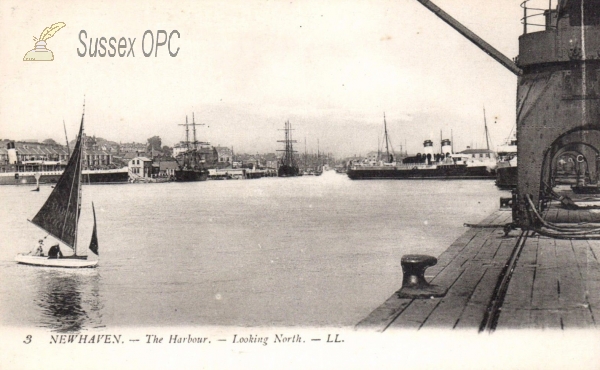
column 245, row 67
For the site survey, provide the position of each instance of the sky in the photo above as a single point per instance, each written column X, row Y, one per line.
column 332, row 68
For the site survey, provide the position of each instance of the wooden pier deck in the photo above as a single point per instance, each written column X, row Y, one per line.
column 555, row 283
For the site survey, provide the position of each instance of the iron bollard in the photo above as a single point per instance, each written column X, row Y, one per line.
column 414, row 284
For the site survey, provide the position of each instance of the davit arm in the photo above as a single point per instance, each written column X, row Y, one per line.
column 487, row 48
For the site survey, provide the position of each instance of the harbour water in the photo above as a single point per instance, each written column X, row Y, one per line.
column 307, row 251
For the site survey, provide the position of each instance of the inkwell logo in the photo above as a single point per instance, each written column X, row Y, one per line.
column 40, row 53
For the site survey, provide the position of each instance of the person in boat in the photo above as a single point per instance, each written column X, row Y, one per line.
column 39, row 250
column 55, row 252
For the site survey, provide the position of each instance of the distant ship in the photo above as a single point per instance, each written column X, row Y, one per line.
column 506, row 170
column 288, row 166
column 469, row 164
column 191, row 162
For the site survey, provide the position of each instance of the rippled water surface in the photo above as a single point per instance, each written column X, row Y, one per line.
column 308, row 251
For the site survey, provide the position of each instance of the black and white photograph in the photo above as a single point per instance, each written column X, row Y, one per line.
column 311, row 184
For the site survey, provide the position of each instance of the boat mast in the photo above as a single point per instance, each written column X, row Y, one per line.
column 67, row 140
column 318, row 154
column 79, row 180
column 387, row 149
column 305, row 155
column 194, row 129
column 487, row 136
column 187, row 134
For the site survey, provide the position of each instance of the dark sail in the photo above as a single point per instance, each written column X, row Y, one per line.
column 94, row 241
column 59, row 215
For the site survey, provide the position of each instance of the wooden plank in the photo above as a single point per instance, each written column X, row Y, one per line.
column 383, row 315
column 473, row 314
column 515, row 318
column 529, row 253
column 520, row 290
column 415, row 314
column 545, row 288
column 546, row 253
column 448, row 311
column 571, row 288
column 504, row 252
column 578, row 317
column 489, row 250
column 545, row 319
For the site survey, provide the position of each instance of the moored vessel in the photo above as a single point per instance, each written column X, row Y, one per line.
column 288, row 166
column 506, row 170
column 191, row 162
column 427, row 165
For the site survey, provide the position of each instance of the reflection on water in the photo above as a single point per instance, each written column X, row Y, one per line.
column 69, row 300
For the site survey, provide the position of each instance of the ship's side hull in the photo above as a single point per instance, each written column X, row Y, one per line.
column 447, row 172
column 105, row 176
column 191, row 175
column 65, row 262
column 288, row 171
column 506, row 177
column 51, row 177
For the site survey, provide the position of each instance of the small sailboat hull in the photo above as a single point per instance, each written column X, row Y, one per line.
column 66, row 262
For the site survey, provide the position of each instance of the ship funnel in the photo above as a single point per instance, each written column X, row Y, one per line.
column 428, row 148
column 446, row 147
column 12, row 152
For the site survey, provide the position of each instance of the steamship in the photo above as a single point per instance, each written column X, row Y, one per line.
column 468, row 164
column 506, row 171
column 23, row 172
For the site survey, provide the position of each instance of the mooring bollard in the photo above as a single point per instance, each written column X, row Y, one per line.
column 414, row 284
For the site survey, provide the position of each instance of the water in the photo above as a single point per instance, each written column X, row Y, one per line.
column 308, row 251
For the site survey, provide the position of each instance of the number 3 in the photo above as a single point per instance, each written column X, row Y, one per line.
column 27, row 339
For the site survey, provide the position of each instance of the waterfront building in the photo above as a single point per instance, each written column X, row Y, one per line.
column 34, row 151
column 167, row 169
column 132, row 147
column 140, row 167
column 223, row 155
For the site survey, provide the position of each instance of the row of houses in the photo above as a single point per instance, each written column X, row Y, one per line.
column 31, row 151
column 136, row 156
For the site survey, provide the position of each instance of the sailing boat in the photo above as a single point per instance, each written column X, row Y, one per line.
column 59, row 216
column 288, row 166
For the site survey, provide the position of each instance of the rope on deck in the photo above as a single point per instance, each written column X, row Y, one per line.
column 549, row 229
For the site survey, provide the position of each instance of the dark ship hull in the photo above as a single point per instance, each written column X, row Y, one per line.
column 191, row 175
column 506, row 177
column 440, row 172
column 118, row 176
column 288, row 171
column 105, row 176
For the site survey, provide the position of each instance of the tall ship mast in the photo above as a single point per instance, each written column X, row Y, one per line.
column 191, row 162
column 288, row 165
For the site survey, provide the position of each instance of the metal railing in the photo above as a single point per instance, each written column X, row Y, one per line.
column 530, row 12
